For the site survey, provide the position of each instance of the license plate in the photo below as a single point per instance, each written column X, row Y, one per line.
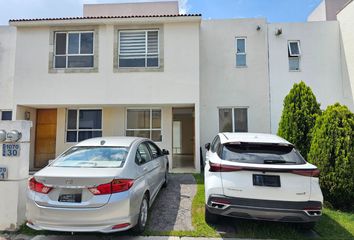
column 266, row 180
column 71, row 198
column 3, row 173
column 11, row 150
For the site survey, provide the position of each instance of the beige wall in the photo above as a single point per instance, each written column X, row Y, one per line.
column 346, row 22
column 113, row 124
column 131, row 9
column 35, row 86
column 327, row 10
column 7, row 65
column 187, row 132
column 222, row 84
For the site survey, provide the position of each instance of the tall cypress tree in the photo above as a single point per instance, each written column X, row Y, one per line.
column 298, row 118
column 332, row 151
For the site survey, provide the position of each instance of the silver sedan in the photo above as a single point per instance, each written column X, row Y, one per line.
column 99, row 185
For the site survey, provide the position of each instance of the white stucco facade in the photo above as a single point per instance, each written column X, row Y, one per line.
column 197, row 71
column 7, row 66
column 321, row 64
column 222, row 84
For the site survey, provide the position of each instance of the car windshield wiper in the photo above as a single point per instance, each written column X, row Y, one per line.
column 274, row 161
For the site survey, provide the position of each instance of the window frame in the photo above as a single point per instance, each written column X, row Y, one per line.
column 77, row 130
column 67, row 55
column 233, row 116
column 144, row 129
column 146, row 48
column 6, row 110
column 241, row 53
column 298, row 46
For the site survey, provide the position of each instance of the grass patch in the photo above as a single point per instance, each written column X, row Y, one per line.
column 333, row 225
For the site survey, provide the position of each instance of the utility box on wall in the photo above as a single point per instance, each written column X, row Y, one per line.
column 14, row 169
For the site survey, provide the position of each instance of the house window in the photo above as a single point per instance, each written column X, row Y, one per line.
column 83, row 124
column 74, row 50
column 139, row 48
column 144, row 123
column 233, row 120
column 294, row 53
column 240, row 52
column 6, row 115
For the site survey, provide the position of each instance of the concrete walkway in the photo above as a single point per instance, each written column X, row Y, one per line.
column 172, row 209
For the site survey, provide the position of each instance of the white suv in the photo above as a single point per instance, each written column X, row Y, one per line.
column 260, row 176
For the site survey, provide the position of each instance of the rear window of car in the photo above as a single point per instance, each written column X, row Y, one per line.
column 92, row 157
column 261, row 154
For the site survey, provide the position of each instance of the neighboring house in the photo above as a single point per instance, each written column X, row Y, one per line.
column 143, row 69
column 346, row 21
column 309, row 52
column 327, row 10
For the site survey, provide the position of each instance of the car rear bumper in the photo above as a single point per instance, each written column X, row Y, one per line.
column 102, row 219
column 283, row 211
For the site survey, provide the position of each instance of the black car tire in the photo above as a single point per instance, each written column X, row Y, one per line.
column 144, row 210
column 210, row 217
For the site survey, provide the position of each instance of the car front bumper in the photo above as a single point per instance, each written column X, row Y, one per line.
column 101, row 219
column 269, row 210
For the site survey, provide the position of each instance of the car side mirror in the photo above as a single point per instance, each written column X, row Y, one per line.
column 207, row 146
column 165, row 152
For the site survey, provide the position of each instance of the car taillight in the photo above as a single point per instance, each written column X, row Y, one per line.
column 116, row 186
column 38, row 187
column 217, row 167
column 307, row 173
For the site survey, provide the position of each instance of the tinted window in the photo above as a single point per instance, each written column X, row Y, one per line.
column 143, row 154
column 92, row 157
column 214, row 145
column 155, row 151
column 6, row 115
column 261, row 154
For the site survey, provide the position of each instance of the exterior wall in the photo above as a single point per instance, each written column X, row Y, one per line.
column 7, row 66
column 346, row 22
column 180, row 72
column 113, row 124
column 320, row 65
column 224, row 85
column 327, row 10
column 319, row 13
column 130, row 9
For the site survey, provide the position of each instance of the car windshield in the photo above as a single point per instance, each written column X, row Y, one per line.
column 261, row 154
column 92, row 157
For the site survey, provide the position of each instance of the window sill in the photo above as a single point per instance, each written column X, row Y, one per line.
column 73, row 70
column 241, row 66
column 139, row 69
column 294, row 70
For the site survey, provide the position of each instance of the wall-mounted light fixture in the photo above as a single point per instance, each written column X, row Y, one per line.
column 258, row 28
column 27, row 116
column 278, row 31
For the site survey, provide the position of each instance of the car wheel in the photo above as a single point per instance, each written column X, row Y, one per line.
column 143, row 216
column 166, row 178
column 210, row 217
column 307, row 225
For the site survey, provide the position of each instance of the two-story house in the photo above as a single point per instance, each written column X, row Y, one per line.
column 145, row 70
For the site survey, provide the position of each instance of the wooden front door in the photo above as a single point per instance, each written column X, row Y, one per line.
column 46, row 131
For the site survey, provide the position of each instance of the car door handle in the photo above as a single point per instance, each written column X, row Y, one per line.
column 145, row 169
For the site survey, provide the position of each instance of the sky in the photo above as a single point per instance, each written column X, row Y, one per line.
column 273, row 10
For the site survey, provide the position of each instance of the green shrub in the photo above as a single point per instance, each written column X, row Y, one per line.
column 299, row 116
column 332, row 151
